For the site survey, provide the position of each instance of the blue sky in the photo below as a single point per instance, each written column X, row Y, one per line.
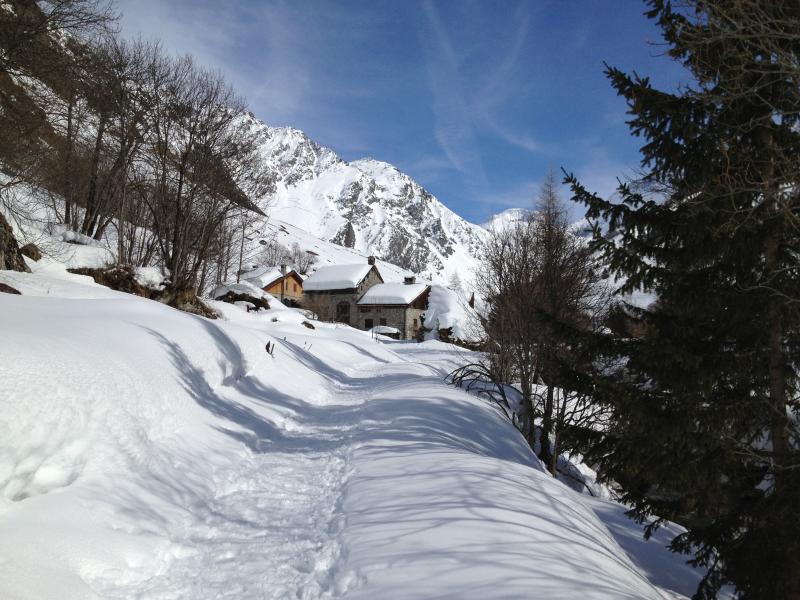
column 474, row 100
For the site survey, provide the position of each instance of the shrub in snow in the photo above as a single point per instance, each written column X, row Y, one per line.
column 119, row 277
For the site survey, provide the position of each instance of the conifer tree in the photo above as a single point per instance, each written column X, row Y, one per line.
column 705, row 393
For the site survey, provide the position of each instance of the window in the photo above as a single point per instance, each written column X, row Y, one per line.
column 415, row 323
column 383, row 321
column 368, row 323
column 363, row 309
column 294, row 287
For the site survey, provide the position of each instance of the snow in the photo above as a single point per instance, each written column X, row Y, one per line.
column 150, row 277
column 243, row 287
column 326, row 253
column 74, row 237
column 262, row 276
column 385, row 330
column 506, row 219
column 336, row 277
column 150, row 453
column 393, row 293
column 391, row 215
column 446, row 309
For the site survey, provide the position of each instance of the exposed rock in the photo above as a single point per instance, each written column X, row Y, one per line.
column 7, row 289
column 307, row 324
column 346, row 236
column 31, row 251
column 10, row 257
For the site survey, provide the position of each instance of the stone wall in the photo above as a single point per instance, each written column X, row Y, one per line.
column 400, row 317
column 325, row 303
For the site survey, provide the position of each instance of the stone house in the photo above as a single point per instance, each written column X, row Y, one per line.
column 332, row 292
column 396, row 305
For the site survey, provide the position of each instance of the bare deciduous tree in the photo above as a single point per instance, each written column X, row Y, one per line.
column 540, row 282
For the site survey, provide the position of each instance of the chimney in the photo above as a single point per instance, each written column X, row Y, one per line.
column 409, row 280
column 283, row 269
column 371, row 260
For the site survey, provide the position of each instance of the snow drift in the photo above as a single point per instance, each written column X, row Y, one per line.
column 145, row 452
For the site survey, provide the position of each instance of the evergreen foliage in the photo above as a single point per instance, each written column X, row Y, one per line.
column 704, row 387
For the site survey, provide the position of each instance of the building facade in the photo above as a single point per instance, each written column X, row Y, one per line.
column 357, row 296
column 400, row 311
column 333, row 292
column 283, row 283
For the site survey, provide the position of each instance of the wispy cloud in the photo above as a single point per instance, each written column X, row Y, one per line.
column 273, row 52
column 471, row 86
column 454, row 126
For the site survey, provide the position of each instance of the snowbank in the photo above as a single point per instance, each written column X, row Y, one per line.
column 243, row 287
column 146, row 452
column 446, row 309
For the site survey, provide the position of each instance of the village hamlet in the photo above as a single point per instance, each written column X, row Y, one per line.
column 469, row 300
column 358, row 296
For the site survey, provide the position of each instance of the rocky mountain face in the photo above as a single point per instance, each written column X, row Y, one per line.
column 366, row 205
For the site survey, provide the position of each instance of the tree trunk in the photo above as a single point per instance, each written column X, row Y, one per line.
column 545, row 451
column 92, row 208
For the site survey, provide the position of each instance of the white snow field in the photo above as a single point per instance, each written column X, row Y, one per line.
column 148, row 453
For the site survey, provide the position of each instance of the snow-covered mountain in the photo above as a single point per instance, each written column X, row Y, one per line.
column 507, row 218
column 366, row 205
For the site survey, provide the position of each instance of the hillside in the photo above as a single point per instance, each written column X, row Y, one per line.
column 151, row 453
column 366, row 205
column 505, row 219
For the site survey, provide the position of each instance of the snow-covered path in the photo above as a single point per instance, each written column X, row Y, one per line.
column 145, row 453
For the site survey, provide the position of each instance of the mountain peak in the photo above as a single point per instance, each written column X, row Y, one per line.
column 368, row 205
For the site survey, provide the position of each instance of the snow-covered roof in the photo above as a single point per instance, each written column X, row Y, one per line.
column 336, row 277
column 238, row 288
column 393, row 293
column 385, row 330
column 262, row 276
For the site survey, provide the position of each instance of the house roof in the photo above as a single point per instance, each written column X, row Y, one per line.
column 239, row 288
column 336, row 277
column 393, row 293
column 265, row 276
column 262, row 276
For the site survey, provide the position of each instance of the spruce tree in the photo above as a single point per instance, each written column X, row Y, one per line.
column 704, row 392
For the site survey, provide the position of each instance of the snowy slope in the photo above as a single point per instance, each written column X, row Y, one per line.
column 507, row 218
column 326, row 253
column 145, row 452
column 366, row 205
